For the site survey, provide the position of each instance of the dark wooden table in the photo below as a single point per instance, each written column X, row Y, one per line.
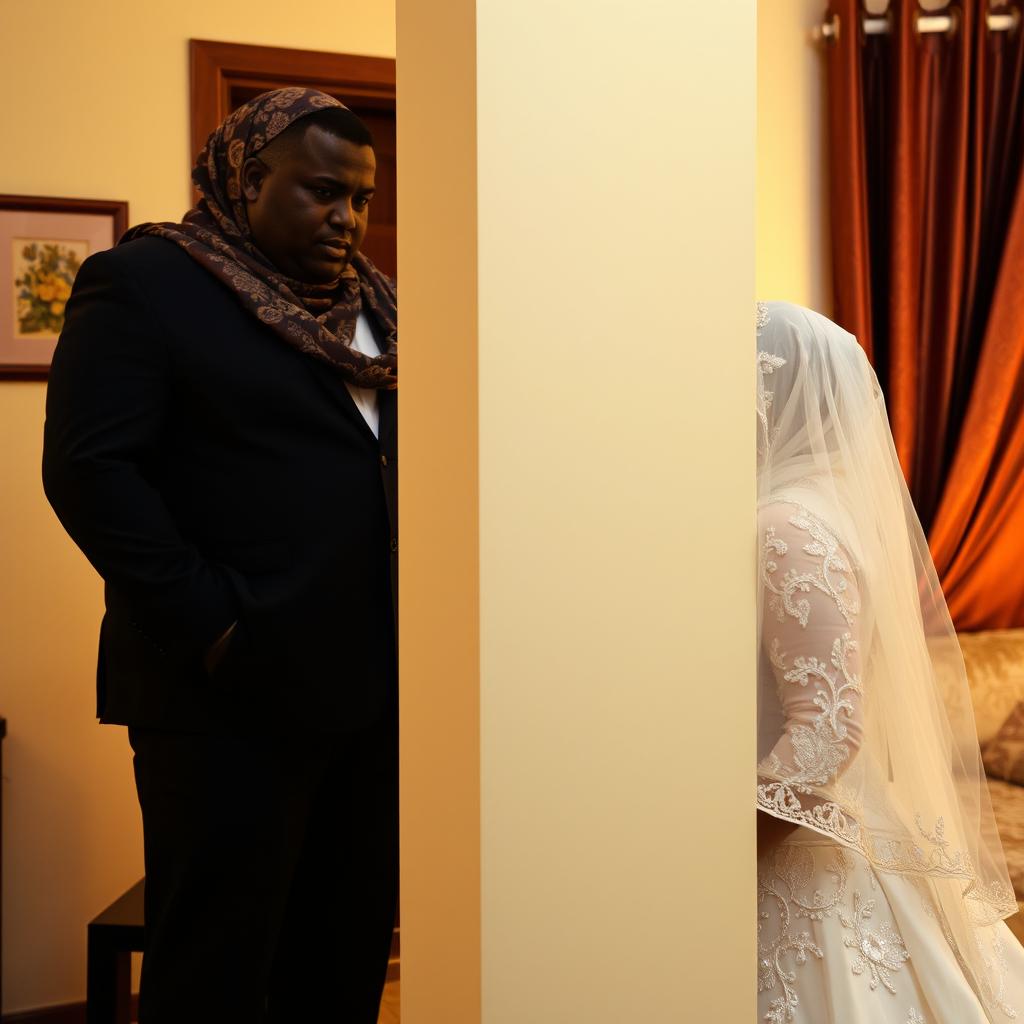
column 113, row 936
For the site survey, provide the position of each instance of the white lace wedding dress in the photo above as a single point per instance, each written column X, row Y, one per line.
column 840, row 942
column 886, row 900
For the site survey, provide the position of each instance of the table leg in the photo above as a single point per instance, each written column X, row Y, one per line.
column 108, row 982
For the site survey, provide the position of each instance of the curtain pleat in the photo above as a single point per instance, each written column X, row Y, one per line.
column 926, row 134
column 977, row 539
column 848, row 169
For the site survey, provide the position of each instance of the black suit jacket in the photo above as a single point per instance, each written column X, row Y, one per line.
column 212, row 473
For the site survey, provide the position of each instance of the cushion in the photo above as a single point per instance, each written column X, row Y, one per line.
column 1004, row 753
column 994, row 660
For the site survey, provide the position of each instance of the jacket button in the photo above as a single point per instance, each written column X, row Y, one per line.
column 383, row 459
column 394, row 543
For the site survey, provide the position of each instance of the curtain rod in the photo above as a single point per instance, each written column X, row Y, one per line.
column 829, row 30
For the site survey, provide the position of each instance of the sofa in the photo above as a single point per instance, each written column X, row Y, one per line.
column 995, row 671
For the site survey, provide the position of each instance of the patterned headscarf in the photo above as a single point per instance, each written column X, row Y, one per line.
column 318, row 319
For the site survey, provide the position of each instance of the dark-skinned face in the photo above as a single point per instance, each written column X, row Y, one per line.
column 308, row 213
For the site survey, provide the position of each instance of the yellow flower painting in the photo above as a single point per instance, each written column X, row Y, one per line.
column 44, row 271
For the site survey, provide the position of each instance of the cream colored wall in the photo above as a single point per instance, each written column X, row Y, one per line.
column 616, row 498
column 793, row 255
column 588, row 342
column 101, row 111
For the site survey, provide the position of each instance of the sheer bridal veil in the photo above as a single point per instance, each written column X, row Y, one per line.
column 865, row 727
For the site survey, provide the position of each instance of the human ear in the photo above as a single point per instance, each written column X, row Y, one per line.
column 254, row 173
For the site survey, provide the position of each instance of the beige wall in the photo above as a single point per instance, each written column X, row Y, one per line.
column 793, row 256
column 101, row 110
column 577, row 622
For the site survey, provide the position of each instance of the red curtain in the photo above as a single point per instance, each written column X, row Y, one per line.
column 926, row 145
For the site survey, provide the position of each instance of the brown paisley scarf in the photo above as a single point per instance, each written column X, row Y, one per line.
column 318, row 319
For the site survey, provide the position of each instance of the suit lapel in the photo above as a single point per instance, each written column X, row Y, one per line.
column 333, row 384
column 387, row 403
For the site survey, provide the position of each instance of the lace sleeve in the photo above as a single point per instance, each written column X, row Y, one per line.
column 810, row 634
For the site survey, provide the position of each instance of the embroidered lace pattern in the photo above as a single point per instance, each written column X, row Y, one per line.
column 879, row 952
column 990, row 946
column 865, row 733
column 993, row 982
column 818, row 741
column 811, row 583
column 828, row 574
column 767, row 364
column 791, row 887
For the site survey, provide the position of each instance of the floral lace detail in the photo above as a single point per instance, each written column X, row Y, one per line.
column 820, row 750
column 792, row 868
column 901, row 855
column 802, row 779
column 766, row 364
column 915, row 1017
column 828, row 578
column 762, row 315
column 994, row 981
column 784, row 882
column 904, row 856
column 878, row 952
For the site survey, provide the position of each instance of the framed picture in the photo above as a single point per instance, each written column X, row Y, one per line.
column 43, row 242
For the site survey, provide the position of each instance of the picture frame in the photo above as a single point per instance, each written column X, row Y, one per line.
column 43, row 242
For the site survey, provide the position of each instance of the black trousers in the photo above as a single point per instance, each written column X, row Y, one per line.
column 271, row 875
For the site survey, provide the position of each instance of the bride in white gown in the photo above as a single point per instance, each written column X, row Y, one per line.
column 882, row 887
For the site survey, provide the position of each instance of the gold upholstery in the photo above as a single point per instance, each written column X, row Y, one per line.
column 995, row 670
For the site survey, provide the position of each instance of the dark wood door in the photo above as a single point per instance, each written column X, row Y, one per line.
column 226, row 75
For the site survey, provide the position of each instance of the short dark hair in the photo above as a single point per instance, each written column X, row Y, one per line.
column 337, row 121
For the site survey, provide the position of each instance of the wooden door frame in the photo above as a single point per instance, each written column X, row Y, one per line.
column 216, row 67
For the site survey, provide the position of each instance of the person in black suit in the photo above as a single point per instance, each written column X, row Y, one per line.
column 220, row 442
